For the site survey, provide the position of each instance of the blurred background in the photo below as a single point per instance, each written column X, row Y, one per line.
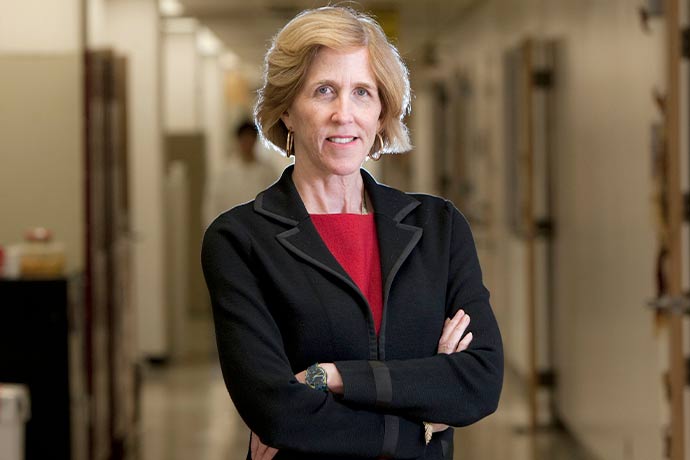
column 558, row 127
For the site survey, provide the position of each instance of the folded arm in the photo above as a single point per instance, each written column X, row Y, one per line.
column 457, row 388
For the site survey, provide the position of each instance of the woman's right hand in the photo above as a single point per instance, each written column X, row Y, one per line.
column 261, row 451
column 451, row 341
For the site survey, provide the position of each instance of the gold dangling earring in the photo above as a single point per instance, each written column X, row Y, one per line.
column 376, row 155
column 289, row 144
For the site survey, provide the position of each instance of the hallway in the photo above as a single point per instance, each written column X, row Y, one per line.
column 560, row 129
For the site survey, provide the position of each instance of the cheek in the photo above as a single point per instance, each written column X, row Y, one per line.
column 375, row 123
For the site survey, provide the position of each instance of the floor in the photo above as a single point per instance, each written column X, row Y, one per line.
column 187, row 414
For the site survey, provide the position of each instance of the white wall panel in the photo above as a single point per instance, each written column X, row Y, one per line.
column 182, row 79
column 214, row 118
column 133, row 30
column 96, row 30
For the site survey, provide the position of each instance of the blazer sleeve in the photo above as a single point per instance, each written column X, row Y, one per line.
column 456, row 389
column 283, row 412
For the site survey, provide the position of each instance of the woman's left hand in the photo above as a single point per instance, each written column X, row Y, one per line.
column 261, row 451
column 452, row 340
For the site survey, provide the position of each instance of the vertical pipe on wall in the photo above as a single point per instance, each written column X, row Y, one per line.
column 528, row 219
column 675, row 319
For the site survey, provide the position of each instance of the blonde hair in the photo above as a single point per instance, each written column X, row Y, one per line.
column 292, row 52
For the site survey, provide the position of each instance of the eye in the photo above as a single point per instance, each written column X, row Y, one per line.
column 324, row 90
column 361, row 92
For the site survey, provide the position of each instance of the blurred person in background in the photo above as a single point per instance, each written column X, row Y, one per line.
column 351, row 318
column 240, row 178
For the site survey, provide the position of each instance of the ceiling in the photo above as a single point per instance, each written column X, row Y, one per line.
column 247, row 26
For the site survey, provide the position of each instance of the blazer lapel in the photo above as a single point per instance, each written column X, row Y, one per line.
column 305, row 242
column 396, row 239
column 396, row 242
column 282, row 202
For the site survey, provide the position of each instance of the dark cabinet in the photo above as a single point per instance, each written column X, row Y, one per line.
column 42, row 346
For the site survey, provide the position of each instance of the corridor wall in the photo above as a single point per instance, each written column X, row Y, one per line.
column 605, row 353
column 132, row 28
column 41, row 129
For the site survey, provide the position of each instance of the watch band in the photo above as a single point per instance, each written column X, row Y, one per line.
column 317, row 378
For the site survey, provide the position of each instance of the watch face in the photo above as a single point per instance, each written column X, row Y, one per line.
column 317, row 378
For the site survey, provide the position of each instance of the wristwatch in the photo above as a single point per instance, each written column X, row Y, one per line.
column 317, row 378
column 428, row 432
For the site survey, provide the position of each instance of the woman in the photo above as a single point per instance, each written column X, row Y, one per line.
column 341, row 305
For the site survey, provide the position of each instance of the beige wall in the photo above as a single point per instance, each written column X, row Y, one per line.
column 40, row 26
column 41, row 131
column 41, row 157
column 606, row 354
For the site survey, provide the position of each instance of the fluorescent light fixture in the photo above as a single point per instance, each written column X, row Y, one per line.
column 208, row 43
column 170, row 8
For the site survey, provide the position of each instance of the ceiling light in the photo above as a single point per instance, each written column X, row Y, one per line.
column 207, row 42
column 170, row 7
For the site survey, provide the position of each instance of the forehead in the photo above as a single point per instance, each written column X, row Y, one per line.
column 341, row 65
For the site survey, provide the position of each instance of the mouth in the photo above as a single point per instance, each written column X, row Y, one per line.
column 341, row 140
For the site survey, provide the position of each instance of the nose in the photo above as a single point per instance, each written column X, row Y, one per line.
column 342, row 110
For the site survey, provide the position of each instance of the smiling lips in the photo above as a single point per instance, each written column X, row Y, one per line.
column 341, row 140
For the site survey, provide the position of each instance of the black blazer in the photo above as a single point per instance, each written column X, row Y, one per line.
column 281, row 302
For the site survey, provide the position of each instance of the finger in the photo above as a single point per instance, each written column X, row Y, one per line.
column 453, row 340
column 450, row 325
column 262, row 449
column 301, row 377
column 451, row 343
column 465, row 342
column 436, row 427
column 254, row 445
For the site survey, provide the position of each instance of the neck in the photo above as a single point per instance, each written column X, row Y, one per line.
column 330, row 194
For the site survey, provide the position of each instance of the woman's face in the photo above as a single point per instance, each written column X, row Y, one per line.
column 335, row 116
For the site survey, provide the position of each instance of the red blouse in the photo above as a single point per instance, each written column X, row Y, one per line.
column 351, row 238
